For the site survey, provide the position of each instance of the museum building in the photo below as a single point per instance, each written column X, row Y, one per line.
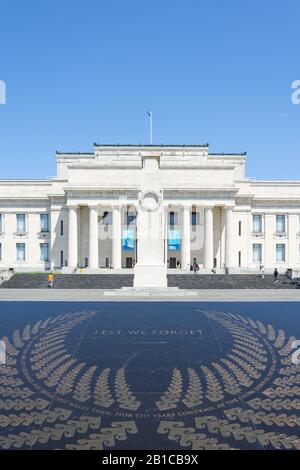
column 175, row 205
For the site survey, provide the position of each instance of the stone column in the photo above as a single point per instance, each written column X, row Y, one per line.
column 229, row 255
column 208, row 238
column 116, row 238
column 72, row 238
column 166, row 235
column 186, row 238
column 93, row 238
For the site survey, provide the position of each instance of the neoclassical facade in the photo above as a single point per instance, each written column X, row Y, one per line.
column 171, row 205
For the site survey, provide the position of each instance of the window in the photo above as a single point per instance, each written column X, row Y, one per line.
column 20, row 251
column 61, row 227
column 257, row 223
column 194, row 218
column 280, row 223
column 107, row 218
column 44, row 251
column 61, row 258
column 257, row 252
column 21, row 223
column 44, row 222
column 240, row 228
column 1, row 223
column 240, row 259
column 172, row 218
column 130, row 217
column 0, row 251
column 280, row 253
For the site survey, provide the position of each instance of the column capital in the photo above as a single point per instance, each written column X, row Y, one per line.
column 72, row 205
column 116, row 207
column 93, row 206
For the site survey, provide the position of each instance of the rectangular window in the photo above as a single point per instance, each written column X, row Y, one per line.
column 194, row 218
column 172, row 218
column 280, row 253
column 257, row 252
column 21, row 223
column 240, row 228
column 130, row 218
column 280, row 223
column 21, row 252
column 1, row 223
column 257, row 223
column 107, row 218
column 240, row 259
column 61, row 227
column 61, row 258
column 44, row 222
column 44, row 251
column 0, row 251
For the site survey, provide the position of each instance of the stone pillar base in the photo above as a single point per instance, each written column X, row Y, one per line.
column 150, row 275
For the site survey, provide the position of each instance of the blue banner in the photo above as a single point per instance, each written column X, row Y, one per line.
column 128, row 240
column 174, row 240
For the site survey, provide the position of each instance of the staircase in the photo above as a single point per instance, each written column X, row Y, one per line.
column 117, row 281
column 69, row 281
column 230, row 281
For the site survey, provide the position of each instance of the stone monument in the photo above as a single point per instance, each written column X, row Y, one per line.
column 150, row 269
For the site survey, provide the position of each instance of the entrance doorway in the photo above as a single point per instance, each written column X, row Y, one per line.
column 172, row 262
column 129, row 264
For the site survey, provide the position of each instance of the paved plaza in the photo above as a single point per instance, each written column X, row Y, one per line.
column 149, row 375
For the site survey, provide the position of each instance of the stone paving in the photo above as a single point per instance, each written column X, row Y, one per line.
column 138, row 375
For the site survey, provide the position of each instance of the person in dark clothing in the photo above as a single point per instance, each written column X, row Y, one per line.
column 276, row 275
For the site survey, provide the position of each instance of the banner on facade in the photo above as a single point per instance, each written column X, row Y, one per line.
column 128, row 240
column 174, row 240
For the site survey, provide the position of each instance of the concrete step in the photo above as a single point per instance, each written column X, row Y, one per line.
column 69, row 281
column 230, row 281
column 176, row 281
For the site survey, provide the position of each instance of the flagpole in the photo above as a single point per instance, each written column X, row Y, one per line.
column 151, row 129
column 149, row 113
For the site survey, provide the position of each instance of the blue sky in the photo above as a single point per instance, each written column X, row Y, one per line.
column 215, row 71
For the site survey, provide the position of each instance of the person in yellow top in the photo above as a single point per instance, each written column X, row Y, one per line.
column 50, row 280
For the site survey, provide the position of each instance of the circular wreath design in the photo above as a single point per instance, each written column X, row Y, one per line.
column 212, row 393
column 150, row 200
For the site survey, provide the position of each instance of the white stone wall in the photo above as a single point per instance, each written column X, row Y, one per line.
column 188, row 175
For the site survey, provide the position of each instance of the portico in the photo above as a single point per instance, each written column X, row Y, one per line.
column 195, row 240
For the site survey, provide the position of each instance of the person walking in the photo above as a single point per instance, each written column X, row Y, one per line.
column 50, row 280
column 276, row 275
column 261, row 271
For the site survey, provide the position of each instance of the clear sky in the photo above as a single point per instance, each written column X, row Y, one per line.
column 85, row 71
